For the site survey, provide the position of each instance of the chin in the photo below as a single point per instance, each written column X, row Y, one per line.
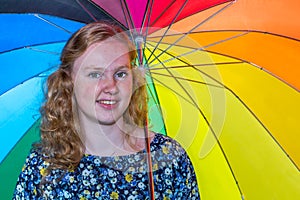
column 108, row 121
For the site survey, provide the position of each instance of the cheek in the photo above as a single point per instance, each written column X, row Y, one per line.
column 127, row 90
column 84, row 91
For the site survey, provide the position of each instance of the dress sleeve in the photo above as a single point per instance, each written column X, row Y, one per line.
column 186, row 186
column 27, row 186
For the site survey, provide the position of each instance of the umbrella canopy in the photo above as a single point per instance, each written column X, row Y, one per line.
column 222, row 77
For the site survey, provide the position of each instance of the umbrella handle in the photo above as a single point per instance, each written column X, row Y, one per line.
column 149, row 161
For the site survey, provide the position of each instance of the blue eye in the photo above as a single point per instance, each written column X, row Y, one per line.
column 96, row 75
column 121, row 75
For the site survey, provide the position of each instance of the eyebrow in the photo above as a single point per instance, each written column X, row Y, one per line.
column 95, row 67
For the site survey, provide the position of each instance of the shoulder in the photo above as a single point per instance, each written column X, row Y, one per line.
column 36, row 153
column 35, row 161
column 163, row 138
column 166, row 140
column 31, row 174
column 167, row 144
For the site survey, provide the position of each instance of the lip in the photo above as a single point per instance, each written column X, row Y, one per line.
column 107, row 103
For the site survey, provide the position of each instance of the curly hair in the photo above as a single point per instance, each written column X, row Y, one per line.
column 60, row 131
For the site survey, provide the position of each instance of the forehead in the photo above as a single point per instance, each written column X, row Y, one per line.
column 110, row 52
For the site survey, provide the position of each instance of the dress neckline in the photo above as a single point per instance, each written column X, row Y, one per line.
column 143, row 151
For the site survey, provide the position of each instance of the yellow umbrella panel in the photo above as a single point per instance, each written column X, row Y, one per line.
column 229, row 115
column 278, row 111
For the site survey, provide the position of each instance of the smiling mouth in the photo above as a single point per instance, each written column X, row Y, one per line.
column 107, row 102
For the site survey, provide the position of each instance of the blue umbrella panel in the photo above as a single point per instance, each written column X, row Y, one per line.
column 29, row 52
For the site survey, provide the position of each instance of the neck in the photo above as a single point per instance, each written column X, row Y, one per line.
column 106, row 140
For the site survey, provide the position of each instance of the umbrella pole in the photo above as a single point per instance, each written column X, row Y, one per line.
column 149, row 160
column 139, row 40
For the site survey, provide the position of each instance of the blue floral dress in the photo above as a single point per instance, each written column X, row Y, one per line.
column 118, row 177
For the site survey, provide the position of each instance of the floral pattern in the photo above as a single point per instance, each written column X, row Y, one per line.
column 118, row 177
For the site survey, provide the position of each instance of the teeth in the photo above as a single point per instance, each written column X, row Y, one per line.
column 108, row 102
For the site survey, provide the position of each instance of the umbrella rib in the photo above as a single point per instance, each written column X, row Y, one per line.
column 193, row 66
column 51, row 23
column 188, row 80
column 148, row 9
column 169, row 26
column 149, row 74
column 231, row 91
column 275, row 76
column 38, row 75
column 175, row 78
column 192, row 29
column 207, row 122
column 155, row 99
column 201, row 48
column 30, row 47
column 127, row 14
column 162, row 13
column 197, row 65
column 152, row 94
column 172, row 75
column 204, row 117
column 189, row 65
column 42, row 51
column 252, row 113
column 127, row 23
column 259, row 67
column 243, row 61
column 177, row 93
column 86, row 10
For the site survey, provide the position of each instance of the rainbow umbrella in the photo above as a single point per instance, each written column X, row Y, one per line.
column 222, row 79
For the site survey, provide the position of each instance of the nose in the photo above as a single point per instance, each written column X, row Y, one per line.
column 108, row 85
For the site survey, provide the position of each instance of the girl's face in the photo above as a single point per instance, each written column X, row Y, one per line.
column 103, row 82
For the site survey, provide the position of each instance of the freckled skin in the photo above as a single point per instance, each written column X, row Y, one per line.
column 103, row 82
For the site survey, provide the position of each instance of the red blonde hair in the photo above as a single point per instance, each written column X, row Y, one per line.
column 60, row 132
